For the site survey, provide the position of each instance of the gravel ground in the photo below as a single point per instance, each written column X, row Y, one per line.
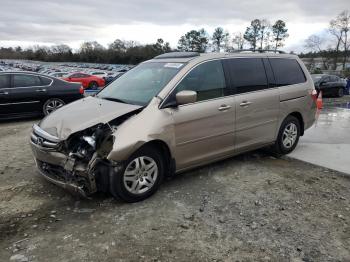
column 252, row 207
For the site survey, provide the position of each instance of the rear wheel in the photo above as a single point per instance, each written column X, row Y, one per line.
column 288, row 136
column 93, row 85
column 51, row 105
column 140, row 177
column 340, row 92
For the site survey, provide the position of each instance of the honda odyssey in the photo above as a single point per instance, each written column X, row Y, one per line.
column 173, row 113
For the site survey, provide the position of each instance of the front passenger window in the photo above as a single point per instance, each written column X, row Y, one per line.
column 207, row 79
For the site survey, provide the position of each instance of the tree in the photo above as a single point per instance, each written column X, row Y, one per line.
column 264, row 33
column 118, row 45
column 339, row 28
column 279, row 31
column 219, row 37
column 238, row 40
column 252, row 33
column 194, row 41
column 315, row 43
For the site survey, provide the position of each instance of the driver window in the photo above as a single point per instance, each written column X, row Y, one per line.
column 207, row 79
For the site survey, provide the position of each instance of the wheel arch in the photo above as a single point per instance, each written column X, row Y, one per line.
column 164, row 149
column 300, row 118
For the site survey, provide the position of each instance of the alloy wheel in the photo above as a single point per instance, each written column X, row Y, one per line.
column 140, row 175
column 52, row 105
column 290, row 135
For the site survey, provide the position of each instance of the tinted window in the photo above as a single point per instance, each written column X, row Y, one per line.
column 26, row 80
column 45, row 81
column 287, row 71
column 206, row 79
column 248, row 74
column 334, row 78
column 4, row 81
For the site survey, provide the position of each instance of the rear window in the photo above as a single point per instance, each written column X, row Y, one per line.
column 4, row 81
column 287, row 71
column 26, row 80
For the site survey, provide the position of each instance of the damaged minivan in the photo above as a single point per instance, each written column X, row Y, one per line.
column 173, row 113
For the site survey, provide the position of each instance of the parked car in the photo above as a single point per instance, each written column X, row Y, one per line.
column 58, row 74
column 330, row 85
column 111, row 77
column 88, row 81
column 175, row 112
column 98, row 74
column 28, row 94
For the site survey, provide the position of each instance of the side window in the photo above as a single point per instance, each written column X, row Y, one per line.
column 45, row 81
column 326, row 79
column 207, row 79
column 20, row 80
column 248, row 74
column 334, row 78
column 287, row 71
column 74, row 76
column 4, row 81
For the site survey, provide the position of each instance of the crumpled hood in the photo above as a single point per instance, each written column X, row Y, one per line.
column 83, row 114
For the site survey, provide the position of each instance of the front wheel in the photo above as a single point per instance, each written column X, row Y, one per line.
column 51, row 105
column 288, row 136
column 140, row 177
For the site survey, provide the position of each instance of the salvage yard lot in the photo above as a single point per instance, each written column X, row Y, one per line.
column 250, row 207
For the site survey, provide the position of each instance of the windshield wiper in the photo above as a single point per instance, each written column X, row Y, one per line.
column 114, row 99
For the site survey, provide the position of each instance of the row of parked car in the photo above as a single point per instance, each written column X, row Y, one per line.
column 91, row 76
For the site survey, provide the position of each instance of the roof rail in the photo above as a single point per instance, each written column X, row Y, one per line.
column 258, row 51
column 177, row 55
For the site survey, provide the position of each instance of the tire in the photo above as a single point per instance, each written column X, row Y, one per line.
column 288, row 136
column 52, row 104
column 93, row 85
column 132, row 184
column 340, row 92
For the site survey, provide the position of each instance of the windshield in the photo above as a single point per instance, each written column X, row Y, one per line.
column 139, row 85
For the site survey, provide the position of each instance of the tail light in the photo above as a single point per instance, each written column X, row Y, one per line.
column 314, row 95
column 81, row 90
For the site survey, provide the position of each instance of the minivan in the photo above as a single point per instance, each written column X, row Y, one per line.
column 173, row 113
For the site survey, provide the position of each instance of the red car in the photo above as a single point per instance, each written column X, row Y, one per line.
column 87, row 81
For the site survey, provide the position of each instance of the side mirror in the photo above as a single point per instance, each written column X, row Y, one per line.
column 186, row 97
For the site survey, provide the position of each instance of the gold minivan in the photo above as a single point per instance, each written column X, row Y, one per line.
column 175, row 112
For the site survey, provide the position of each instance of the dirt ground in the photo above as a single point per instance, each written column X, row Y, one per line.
column 253, row 207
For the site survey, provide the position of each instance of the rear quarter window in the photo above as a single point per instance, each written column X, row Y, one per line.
column 287, row 71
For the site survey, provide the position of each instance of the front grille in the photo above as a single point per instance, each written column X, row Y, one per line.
column 43, row 142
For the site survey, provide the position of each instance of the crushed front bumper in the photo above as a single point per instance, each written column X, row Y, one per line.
column 57, row 167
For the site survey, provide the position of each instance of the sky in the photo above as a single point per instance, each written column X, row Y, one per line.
column 47, row 22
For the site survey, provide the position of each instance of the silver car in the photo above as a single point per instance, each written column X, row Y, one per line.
column 173, row 113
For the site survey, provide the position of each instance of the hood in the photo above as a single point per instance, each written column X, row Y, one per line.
column 83, row 114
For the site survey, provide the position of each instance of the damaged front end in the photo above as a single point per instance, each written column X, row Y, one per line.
column 79, row 163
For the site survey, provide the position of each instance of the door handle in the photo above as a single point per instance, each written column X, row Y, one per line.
column 4, row 93
column 245, row 103
column 41, row 90
column 224, row 107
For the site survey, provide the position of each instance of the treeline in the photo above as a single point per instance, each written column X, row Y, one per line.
column 332, row 46
column 261, row 34
column 118, row 52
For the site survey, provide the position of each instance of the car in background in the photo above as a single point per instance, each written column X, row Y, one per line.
column 29, row 94
column 87, row 81
column 98, row 74
column 330, row 85
column 58, row 74
column 111, row 77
